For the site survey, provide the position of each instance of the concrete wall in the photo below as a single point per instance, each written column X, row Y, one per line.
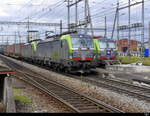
column 8, row 97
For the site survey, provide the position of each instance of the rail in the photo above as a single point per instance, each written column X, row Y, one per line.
column 141, row 93
column 76, row 101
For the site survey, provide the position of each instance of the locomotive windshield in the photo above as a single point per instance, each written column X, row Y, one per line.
column 103, row 44
column 84, row 42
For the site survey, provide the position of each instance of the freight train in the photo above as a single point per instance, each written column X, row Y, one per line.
column 69, row 53
column 106, row 51
column 14, row 50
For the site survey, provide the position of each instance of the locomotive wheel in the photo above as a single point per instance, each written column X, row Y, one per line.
column 66, row 70
column 58, row 68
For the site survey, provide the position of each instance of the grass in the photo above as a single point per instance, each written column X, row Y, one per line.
column 17, row 91
column 23, row 99
column 129, row 60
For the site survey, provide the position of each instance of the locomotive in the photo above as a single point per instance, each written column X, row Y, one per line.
column 106, row 51
column 69, row 53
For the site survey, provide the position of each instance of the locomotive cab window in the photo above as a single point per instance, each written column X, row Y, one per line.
column 103, row 44
column 84, row 42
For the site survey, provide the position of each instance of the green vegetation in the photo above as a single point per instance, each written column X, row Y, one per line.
column 17, row 91
column 23, row 99
column 18, row 97
column 129, row 60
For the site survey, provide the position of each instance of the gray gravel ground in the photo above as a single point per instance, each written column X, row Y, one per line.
column 124, row 102
column 41, row 103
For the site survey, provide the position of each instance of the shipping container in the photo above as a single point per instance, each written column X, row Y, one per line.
column 18, row 49
column 10, row 50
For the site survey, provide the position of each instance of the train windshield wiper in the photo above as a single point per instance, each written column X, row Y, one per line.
column 83, row 42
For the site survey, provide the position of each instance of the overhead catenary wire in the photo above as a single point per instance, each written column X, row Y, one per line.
column 43, row 10
column 95, row 16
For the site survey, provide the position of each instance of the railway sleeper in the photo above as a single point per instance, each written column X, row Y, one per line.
column 77, row 102
column 92, row 111
column 87, row 102
column 62, row 94
column 74, row 100
column 62, row 91
column 70, row 97
column 56, row 90
column 87, row 107
column 81, row 105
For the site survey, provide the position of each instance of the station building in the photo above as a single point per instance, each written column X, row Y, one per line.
column 123, row 47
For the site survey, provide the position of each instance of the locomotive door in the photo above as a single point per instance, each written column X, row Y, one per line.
column 64, row 50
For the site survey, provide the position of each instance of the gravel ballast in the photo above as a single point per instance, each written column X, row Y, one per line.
column 121, row 101
column 40, row 103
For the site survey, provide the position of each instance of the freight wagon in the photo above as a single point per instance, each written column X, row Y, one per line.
column 14, row 50
column 10, row 50
column 18, row 50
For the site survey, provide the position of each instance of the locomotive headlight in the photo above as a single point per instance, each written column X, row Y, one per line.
column 70, row 57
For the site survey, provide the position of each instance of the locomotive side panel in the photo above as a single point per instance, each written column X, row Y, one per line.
column 64, row 53
column 56, row 51
column 64, row 50
column 42, row 51
column 53, row 52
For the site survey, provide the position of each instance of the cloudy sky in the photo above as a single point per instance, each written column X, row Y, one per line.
column 52, row 11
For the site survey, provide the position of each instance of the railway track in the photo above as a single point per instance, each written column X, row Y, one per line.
column 138, row 92
column 76, row 101
column 141, row 93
